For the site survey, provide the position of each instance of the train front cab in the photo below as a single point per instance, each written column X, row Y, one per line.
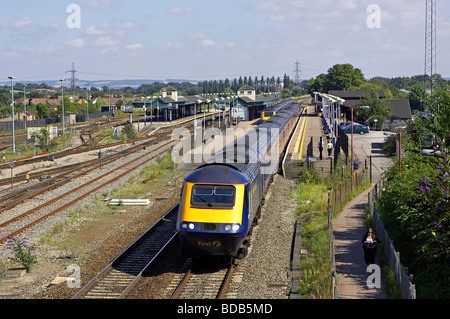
column 267, row 114
column 213, row 218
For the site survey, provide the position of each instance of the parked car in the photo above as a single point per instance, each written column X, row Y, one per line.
column 357, row 128
column 344, row 124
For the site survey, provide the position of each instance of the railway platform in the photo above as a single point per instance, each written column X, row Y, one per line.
column 307, row 135
column 349, row 225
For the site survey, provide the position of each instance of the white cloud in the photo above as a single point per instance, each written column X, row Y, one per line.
column 109, row 36
column 207, row 43
column 348, row 4
column 107, row 41
column 96, row 30
column 25, row 27
column 134, row 46
column 174, row 45
column 179, row 10
column 76, row 43
column 23, row 24
column 98, row 3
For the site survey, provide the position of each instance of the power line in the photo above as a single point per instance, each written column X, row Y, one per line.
column 430, row 48
column 297, row 72
column 73, row 78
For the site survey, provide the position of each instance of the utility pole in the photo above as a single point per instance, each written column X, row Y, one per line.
column 73, row 79
column 12, row 99
column 430, row 49
column 297, row 72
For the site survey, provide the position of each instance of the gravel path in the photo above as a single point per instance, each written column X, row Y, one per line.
column 263, row 274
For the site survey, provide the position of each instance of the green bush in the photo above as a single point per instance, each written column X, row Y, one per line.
column 415, row 208
column 22, row 252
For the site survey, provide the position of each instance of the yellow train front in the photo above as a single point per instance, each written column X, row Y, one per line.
column 267, row 114
column 213, row 217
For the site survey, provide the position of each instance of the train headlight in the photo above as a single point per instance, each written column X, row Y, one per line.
column 185, row 225
column 232, row 227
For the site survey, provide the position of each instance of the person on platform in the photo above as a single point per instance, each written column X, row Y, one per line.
column 370, row 242
column 329, row 147
column 320, row 148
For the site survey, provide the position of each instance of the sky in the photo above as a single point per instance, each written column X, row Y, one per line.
column 215, row 39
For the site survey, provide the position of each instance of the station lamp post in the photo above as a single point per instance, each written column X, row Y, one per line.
column 62, row 101
column 25, row 105
column 12, row 99
column 87, row 101
column 109, row 97
column 357, row 107
column 195, row 122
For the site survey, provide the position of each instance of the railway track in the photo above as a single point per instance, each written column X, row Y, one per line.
column 161, row 131
column 55, row 177
column 12, row 226
column 118, row 277
column 205, row 280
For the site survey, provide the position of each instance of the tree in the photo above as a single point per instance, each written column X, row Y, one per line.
column 285, row 93
column 343, row 77
column 42, row 110
column 439, row 123
column 43, row 140
column 378, row 110
column 339, row 77
column 317, row 84
column 416, row 97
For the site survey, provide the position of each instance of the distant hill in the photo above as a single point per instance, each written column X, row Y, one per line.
column 116, row 84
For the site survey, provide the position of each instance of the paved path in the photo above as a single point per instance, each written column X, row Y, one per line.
column 349, row 227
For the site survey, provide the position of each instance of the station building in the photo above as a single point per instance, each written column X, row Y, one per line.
column 400, row 108
column 245, row 105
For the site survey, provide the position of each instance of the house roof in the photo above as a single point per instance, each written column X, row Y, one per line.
column 246, row 87
column 170, row 88
column 401, row 109
column 358, row 94
column 27, row 112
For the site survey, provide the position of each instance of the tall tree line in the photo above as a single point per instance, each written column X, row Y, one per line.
column 261, row 84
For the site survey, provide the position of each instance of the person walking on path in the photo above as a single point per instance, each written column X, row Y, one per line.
column 329, row 147
column 370, row 242
column 320, row 148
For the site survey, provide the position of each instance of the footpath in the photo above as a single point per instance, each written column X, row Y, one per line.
column 349, row 226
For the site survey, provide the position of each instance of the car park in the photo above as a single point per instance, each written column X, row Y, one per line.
column 357, row 128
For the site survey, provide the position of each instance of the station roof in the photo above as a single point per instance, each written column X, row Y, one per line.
column 164, row 102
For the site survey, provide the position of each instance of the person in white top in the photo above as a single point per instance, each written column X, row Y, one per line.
column 370, row 242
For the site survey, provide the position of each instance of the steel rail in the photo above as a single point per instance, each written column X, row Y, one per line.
column 78, row 198
column 123, row 255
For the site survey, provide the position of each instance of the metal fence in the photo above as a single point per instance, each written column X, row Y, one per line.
column 334, row 280
column 20, row 125
column 337, row 198
column 403, row 279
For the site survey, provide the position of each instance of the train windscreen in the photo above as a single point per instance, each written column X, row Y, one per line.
column 213, row 196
